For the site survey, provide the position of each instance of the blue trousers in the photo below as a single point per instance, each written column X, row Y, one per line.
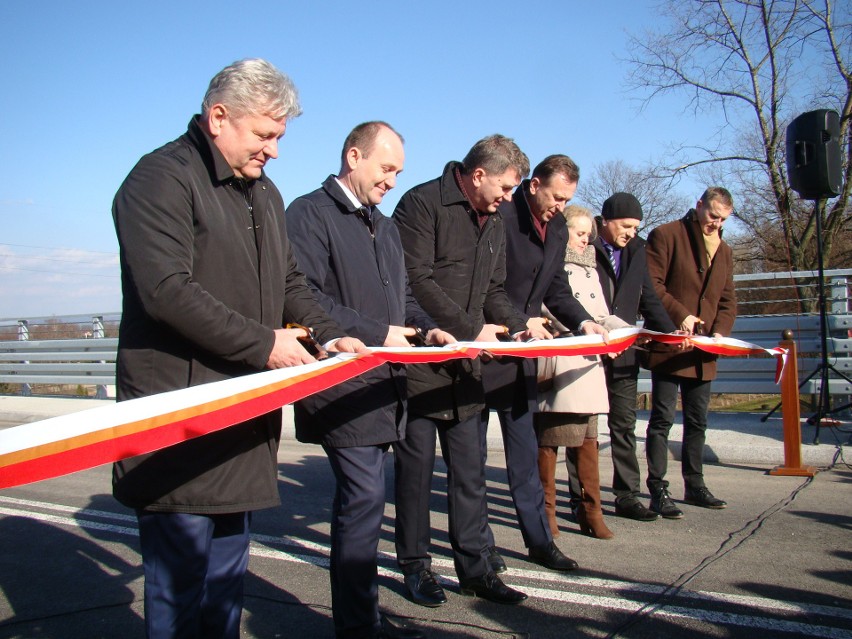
column 194, row 570
column 356, row 523
column 521, row 448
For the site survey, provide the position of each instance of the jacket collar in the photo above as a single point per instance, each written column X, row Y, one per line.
column 450, row 191
column 332, row 188
column 218, row 167
column 696, row 242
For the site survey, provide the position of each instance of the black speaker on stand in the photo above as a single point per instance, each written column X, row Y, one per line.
column 813, row 166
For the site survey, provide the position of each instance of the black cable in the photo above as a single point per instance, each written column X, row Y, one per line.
column 673, row 590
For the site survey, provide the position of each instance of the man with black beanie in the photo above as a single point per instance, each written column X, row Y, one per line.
column 629, row 292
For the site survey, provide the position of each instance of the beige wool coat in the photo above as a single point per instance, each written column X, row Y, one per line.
column 577, row 384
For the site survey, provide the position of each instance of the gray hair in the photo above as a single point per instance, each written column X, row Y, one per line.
column 574, row 211
column 495, row 155
column 253, row 87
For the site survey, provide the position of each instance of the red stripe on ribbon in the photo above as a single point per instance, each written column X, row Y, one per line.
column 127, row 438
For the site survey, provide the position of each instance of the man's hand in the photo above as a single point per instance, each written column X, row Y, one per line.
column 489, row 333
column 685, row 345
column 437, row 337
column 287, row 351
column 397, row 335
column 593, row 328
column 535, row 330
column 691, row 325
column 348, row 345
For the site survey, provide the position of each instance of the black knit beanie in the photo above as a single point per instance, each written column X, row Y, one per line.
column 621, row 205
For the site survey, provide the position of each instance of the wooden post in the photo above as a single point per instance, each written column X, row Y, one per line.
column 792, row 418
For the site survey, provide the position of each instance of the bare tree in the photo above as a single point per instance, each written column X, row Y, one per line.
column 754, row 65
column 660, row 203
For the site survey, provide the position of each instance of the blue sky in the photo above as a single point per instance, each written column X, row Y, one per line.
column 91, row 86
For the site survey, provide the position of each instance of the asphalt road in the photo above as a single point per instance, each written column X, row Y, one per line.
column 776, row 563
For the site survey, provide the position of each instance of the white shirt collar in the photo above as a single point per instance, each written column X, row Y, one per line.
column 350, row 194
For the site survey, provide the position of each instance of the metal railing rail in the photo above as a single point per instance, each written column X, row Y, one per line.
column 84, row 354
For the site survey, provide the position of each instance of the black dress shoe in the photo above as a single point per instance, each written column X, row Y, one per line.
column 661, row 502
column 489, row 586
column 495, row 561
column 425, row 589
column 703, row 497
column 633, row 509
column 393, row 631
column 551, row 557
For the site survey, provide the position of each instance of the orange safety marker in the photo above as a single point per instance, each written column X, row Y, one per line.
column 791, row 415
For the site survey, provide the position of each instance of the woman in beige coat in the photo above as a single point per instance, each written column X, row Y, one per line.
column 572, row 390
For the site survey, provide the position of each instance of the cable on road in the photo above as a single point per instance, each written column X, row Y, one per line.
column 733, row 541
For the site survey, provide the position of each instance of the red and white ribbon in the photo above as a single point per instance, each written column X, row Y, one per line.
column 78, row 441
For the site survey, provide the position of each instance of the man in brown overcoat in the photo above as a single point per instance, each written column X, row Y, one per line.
column 692, row 271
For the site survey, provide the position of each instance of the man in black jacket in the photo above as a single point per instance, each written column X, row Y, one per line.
column 352, row 258
column 455, row 256
column 207, row 278
column 536, row 237
column 629, row 292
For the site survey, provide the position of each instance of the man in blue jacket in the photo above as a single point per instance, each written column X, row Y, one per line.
column 352, row 258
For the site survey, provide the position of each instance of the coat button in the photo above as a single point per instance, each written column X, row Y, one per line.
column 593, row 296
column 588, row 274
column 385, row 282
column 577, row 295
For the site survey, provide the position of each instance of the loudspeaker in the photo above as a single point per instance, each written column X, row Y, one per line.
column 813, row 154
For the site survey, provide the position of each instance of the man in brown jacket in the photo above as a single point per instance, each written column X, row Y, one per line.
column 692, row 271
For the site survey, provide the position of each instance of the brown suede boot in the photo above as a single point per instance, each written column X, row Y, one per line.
column 589, row 514
column 547, row 473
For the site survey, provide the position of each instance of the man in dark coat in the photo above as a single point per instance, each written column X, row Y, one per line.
column 208, row 279
column 693, row 273
column 623, row 271
column 455, row 254
column 352, row 258
column 536, row 236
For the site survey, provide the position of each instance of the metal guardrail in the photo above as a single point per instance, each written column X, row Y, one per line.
column 82, row 354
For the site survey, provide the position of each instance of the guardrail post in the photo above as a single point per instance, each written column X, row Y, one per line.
column 839, row 296
column 98, row 327
column 24, row 335
column 791, row 415
column 98, row 333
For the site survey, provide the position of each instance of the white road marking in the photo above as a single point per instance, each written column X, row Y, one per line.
column 81, row 518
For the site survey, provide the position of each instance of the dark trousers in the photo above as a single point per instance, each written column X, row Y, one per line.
column 521, row 448
column 194, row 570
column 695, row 399
column 622, row 432
column 356, row 523
column 414, row 462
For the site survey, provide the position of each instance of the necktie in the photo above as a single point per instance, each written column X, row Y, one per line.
column 611, row 253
